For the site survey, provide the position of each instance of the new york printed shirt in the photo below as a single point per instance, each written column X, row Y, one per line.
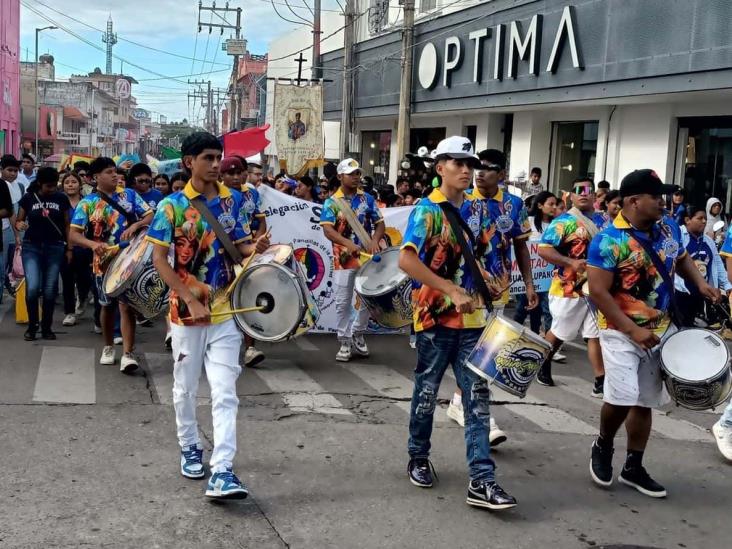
column 431, row 236
column 100, row 222
column 638, row 288
column 367, row 213
column 200, row 260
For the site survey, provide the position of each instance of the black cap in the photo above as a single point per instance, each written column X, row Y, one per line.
column 644, row 182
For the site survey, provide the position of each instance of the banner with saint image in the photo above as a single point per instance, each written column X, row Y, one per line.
column 298, row 124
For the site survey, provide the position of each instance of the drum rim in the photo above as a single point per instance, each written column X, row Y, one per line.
column 127, row 283
column 727, row 367
column 359, row 289
column 536, row 338
column 245, row 327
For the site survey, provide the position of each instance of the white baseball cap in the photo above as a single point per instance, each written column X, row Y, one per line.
column 255, row 160
column 458, row 148
column 347, row 166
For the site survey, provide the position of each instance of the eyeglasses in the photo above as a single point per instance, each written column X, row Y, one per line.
column 143, row 180
column 583, row 190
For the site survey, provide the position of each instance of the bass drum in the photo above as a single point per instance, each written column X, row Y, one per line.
column 133, row 279
column 385, row 289
column 696, row 367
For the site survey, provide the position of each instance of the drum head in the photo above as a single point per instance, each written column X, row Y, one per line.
column 279, row 290
column 523, row 332
column 277, row 253
column 119, row 273
column 379, row 277
column 694, row 355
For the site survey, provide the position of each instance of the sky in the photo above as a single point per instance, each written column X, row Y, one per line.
column 168, row 25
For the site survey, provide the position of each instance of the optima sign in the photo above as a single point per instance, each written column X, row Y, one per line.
column 511, row 44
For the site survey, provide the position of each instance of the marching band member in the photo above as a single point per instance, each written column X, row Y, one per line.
column 509, row 227
column 449, row 318
column 631, row 267
column 203, row 338
column 102, row 220
column 348, row 218
column 723, row 428
column 564, row 244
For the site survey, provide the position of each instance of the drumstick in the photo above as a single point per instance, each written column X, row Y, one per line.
column 232, row 312
column 249, row 259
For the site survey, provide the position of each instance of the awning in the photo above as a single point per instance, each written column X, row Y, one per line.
column 74, row 114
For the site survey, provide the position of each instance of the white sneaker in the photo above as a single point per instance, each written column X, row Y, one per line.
column 80, row 308
column 253, row 356
column 723, row 435
column 413, row 341
column 97, row 329
column 344, row 353
column 118, row 340
column 359, row 346
column 108, row 357
column 69, row 320
column 455, row 413
column 496, row 436
column 559, row 357
column 128, row 364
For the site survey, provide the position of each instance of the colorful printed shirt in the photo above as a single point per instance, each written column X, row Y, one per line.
column 368, row 214
column 509, row 220
column 200, row 259
column 252, row 206
column 638, row 288
column 429, row 234
column 100, row 222
column 601, row 219
column 153, row 197
column 570, row 238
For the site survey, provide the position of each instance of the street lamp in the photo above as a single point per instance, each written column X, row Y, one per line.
column 38, row 31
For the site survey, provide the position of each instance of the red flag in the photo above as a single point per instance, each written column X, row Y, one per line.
column 246, row 142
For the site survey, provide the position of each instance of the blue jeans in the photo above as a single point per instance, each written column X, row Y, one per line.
column 536, row 314
column 6, row 259
column 438, row 348
column 42, row 264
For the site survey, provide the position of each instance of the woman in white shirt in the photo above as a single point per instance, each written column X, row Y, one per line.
column 542, row 212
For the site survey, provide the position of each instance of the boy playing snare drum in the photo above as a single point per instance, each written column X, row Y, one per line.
column 448, row 320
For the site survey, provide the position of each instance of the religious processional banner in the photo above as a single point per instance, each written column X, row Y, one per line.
column 298, row 124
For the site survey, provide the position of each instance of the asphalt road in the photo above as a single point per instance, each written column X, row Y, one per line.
column 91, row 458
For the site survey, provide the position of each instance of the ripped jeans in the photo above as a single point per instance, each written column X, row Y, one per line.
column 437, row 348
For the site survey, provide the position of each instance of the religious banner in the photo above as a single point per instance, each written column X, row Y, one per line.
column 298, row 123
column 297, row 222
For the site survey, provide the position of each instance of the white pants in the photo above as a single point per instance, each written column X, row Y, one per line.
column 215, row 347
column 571, row 315
column 343, row 280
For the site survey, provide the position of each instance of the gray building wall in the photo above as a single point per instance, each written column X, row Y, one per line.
column 627, row 47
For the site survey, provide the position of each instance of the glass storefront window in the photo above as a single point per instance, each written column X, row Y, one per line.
column 574, row 151
column 375, row 149
column 705, row 160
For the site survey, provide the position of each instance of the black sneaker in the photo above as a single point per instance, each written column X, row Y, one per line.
column 601, row 465
column 48, row 335
column 489, row 496
column 29, row 335
column 597, row 389
column 638, row 478
column 420, row 472
column 544, row 377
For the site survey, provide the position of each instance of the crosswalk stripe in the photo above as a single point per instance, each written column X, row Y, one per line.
column 675, row 428
column 304, row 344
column 300, row 392
column 552, row 419
column 161, row 367
column 66, row 375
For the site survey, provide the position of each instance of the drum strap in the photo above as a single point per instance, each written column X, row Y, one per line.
column 457, row 223
column 675, row 313
column 221, row 234
column 130, row 217
column 353, row 222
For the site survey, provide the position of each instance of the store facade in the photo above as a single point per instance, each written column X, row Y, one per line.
column 596, row 87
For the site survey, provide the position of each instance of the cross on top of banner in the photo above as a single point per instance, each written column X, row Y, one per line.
column 300, row 60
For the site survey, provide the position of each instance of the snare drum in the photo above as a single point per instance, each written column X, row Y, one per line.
column 696, row 364
column 274, row 281
column 385, row 290
column 508, row 355
column 133, row 279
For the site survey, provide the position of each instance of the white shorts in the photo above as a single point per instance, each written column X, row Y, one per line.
column 571, row 315
column 632, row 374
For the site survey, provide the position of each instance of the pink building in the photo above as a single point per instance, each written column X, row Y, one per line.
column 10, row 76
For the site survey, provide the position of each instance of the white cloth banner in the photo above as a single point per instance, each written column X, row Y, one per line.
column 297, row 222
column 298, row 125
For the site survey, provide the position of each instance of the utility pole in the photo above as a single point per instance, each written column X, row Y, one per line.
column 209, row 110
column 36, row 117
column 224, row 24
column 347, row 80
column 201, row 94
column 405, row 89
column 316, row 71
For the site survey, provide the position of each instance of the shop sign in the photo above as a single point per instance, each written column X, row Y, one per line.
column 509, row 39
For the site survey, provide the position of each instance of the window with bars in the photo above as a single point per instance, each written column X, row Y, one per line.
column 427, row 5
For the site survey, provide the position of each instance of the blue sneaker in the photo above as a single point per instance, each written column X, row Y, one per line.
column 225, row 485
column 191, row 462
